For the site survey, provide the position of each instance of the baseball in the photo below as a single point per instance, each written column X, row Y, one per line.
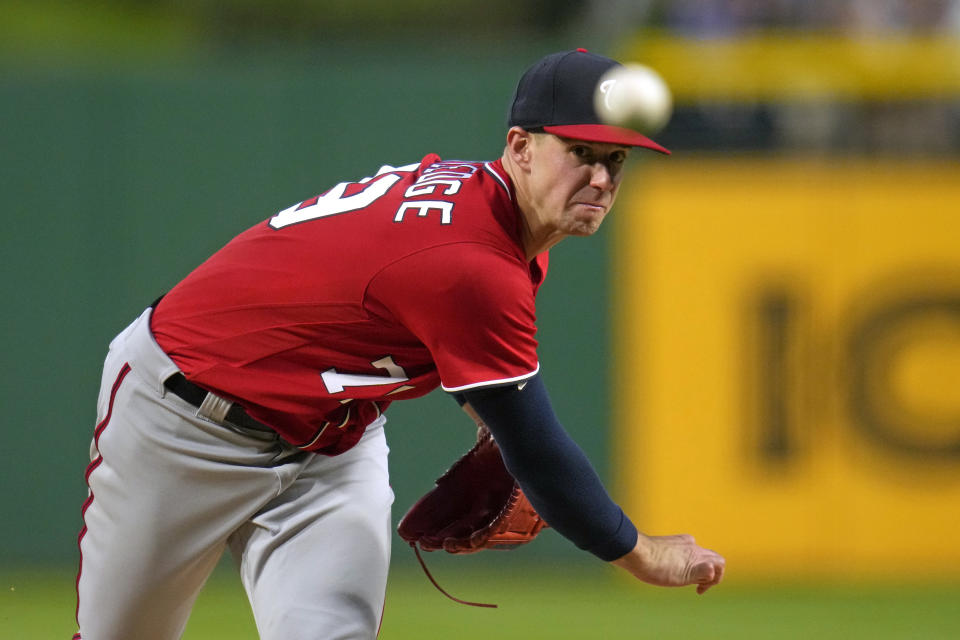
column 634, row 96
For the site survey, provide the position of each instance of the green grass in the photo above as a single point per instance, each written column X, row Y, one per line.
column 548, row 603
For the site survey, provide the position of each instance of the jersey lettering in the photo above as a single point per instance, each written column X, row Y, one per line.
column 428, row 187
column 424, row 207
column 451, row 174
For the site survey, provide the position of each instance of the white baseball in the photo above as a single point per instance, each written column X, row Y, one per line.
column 634, row 96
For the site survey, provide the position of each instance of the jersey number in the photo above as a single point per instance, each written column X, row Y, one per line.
column 333, row 201
column 336, row 382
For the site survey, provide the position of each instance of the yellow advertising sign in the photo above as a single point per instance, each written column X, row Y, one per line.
column 788, row 362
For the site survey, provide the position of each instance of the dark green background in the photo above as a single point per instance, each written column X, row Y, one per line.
column 117, row 181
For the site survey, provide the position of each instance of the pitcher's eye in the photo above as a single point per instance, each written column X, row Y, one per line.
column 582, row 152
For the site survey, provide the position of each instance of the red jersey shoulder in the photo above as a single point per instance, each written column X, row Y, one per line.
column 471, row 305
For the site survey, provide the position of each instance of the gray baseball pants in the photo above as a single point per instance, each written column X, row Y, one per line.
column 170, row 490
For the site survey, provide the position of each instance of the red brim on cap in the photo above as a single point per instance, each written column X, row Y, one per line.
column 604, row 133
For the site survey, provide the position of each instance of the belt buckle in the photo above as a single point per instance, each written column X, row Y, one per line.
column 214, row 408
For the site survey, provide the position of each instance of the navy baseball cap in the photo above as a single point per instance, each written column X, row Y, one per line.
column 556, row 95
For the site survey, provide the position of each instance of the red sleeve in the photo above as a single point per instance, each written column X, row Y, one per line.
column 471, row 305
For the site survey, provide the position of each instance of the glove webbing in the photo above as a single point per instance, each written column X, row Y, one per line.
column 440, row 589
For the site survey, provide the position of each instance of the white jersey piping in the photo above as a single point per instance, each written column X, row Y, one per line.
column 490, row 383
column 503, row 182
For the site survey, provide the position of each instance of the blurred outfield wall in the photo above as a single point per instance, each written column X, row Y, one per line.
column 788, row 326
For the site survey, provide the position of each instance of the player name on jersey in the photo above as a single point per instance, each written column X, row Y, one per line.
column 449, row 174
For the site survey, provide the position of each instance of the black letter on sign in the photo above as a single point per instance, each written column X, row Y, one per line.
column 874, row 347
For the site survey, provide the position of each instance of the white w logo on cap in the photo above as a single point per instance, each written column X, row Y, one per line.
column 606, row 88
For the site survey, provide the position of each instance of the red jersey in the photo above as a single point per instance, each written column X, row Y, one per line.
column 377, row 290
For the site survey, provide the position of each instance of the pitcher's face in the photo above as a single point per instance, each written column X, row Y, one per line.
column 573, row 183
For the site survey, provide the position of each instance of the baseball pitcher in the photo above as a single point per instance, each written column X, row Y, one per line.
column 245, row 409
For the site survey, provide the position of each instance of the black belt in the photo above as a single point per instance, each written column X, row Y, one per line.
column 192, row 394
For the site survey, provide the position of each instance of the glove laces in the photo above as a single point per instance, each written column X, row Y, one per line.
column 440, row 589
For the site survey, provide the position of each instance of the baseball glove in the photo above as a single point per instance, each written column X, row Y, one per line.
column 475, row 505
